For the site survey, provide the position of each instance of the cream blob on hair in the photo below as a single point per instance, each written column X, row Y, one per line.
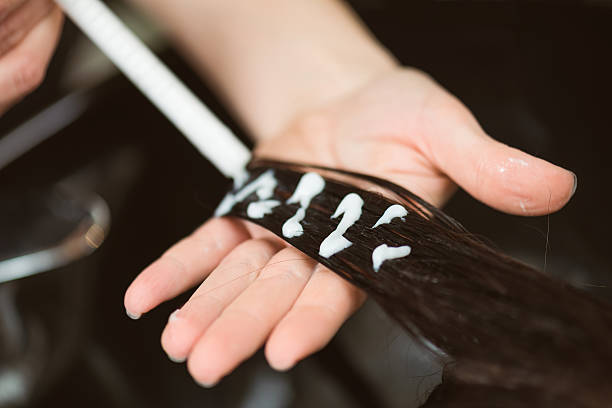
column 394, row 211
column 350, row 208
column 259, row 209
column 310, row 185
column 384, row 253
column 263, row 186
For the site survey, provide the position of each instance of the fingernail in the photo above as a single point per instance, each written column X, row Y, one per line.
column 207, row 385
column 575, row 184
column 286, row 366
column 133, row 316
column 173, row 316
column 176, row 359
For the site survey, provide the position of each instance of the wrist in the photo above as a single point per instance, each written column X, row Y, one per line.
column 272, row 68
column 330, row 75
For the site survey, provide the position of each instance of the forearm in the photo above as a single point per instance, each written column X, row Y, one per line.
column 273, row 60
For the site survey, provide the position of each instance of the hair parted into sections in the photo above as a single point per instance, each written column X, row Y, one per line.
column 508, row 335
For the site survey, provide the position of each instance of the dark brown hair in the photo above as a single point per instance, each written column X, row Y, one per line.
column 508, row 335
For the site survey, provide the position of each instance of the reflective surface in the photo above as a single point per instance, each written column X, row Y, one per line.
column 48, row 229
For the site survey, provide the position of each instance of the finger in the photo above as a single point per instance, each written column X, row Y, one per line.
column 23, row 68
column 233, row 275
column 5, row 106
column 257, row 231
column 8, row 6
column 20, row 21
column 498, row 175
column 323, row 306
column 184, row 265
column 246, row 323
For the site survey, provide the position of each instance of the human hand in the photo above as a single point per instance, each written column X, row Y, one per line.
column 401, row 126
column 29, row 30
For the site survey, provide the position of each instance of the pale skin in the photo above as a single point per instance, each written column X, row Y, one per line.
column 323, row 92
column 29, row 30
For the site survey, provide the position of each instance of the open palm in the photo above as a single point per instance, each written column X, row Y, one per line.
column 255, row 289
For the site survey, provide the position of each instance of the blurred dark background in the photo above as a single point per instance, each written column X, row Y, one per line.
column 535, row 74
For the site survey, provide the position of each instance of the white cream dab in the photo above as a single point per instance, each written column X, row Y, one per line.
column 309, row 186
column 394, row 211
column 292, row 227
column 350, row 207
column 263, row 185
column 383, row 253
column 259, row 209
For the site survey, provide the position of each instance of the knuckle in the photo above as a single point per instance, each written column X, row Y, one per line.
column 4, row 8
column 288, row 265
column 323, row 311
column 29, row 74
column 176, row 262
column 293, row 273
column 257, row 251
column 250, row 245
column 244, row 315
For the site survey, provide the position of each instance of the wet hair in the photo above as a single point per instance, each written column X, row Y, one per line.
column 508, row 335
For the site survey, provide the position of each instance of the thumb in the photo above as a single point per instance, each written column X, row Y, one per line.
column 500, row 176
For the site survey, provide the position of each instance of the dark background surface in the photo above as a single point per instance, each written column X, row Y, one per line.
column 536, row 75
